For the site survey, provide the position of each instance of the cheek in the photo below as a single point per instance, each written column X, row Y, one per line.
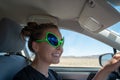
column 46, row 48
column 50, row 50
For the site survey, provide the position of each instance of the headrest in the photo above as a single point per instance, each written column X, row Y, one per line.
column 10, row 39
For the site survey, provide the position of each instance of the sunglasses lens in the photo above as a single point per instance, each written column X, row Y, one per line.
column 52, row 39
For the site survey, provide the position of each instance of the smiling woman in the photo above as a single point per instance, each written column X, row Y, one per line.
column 45, row 41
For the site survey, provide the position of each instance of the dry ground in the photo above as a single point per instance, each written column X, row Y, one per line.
column 78, row 62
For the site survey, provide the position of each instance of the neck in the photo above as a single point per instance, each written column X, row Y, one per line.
column 40, row 66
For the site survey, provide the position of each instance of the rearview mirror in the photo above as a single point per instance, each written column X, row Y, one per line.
column 104, row 58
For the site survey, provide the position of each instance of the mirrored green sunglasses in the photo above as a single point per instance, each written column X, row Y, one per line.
column 52, row 39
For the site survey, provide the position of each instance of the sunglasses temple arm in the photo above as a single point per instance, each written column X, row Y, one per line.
column 41, row 40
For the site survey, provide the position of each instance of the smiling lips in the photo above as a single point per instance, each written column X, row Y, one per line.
column 56, row 54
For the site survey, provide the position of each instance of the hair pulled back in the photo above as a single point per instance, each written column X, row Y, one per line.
column 34, row 31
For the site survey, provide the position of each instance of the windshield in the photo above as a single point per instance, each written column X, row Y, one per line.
column 116, row 5
column 115, row 28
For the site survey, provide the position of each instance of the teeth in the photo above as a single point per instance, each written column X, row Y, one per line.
column 56, row 55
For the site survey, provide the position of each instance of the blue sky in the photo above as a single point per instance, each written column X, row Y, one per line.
column 80, row 45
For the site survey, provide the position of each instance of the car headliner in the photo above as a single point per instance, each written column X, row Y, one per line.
column 68, row 14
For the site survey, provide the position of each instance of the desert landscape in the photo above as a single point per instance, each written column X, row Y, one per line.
column 78, row 62
column 72, row 61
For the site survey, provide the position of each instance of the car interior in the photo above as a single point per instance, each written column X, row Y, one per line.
column 88, row 17
column 11, row 44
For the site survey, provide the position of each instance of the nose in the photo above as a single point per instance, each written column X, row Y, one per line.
column 60, row 48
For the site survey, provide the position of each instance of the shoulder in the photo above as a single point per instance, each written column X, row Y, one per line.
column 22, row 74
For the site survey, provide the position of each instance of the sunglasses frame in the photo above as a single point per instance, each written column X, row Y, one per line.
column 60, row 42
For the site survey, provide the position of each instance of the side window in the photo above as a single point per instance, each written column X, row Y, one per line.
column 79, row 50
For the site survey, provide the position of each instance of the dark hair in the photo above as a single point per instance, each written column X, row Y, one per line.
column 35, row 31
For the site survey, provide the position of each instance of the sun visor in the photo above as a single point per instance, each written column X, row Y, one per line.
column 98, row 15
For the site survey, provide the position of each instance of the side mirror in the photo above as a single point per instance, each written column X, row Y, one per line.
column 104, row 58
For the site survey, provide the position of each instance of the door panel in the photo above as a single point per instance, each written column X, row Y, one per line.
column 75, row 73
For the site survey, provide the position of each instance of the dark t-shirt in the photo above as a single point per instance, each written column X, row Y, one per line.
column 29, row 73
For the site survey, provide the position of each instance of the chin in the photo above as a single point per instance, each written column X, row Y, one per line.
column 55, row 62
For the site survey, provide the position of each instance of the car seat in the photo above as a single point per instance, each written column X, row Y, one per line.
column 10, row 44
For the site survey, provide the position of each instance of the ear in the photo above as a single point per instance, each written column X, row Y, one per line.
column 35, row 46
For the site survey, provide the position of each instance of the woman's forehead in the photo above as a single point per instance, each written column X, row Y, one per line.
column 54, row 31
